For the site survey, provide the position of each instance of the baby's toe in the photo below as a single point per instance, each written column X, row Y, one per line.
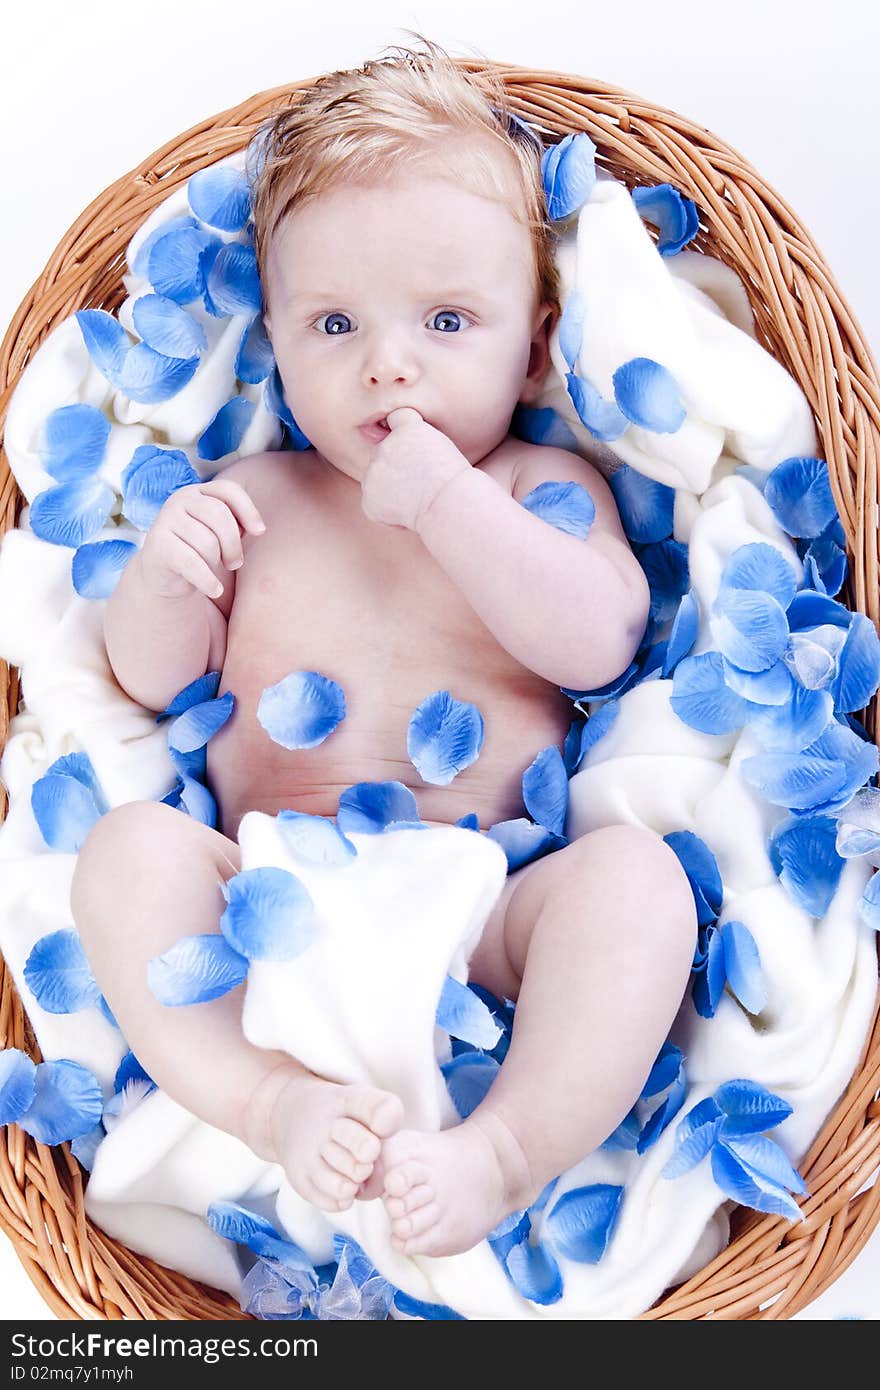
column 405, row 1228
column 415, row 1198
column 361, row 1142
column 404, row 1176
column 380, row 1111
column 334, row 1189
column 344, row 1161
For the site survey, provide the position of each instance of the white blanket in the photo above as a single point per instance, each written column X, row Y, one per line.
column 362, row 1004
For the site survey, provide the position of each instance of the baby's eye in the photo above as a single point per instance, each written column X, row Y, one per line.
column 448, row 321
column 334, row 323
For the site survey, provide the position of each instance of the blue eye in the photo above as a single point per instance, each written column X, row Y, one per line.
column 335, row 323
column 447, row 321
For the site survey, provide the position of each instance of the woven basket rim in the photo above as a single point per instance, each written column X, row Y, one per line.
column 770, row 1269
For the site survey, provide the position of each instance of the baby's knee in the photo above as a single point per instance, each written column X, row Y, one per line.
column 639, row 864
column 106, row 855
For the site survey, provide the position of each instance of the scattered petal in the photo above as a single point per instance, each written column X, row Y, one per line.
column 415, row 1308
column 149, row 378
column 68, row 1102
column 789, row 728
column 368, row 808
column 534, row 1273
column 749, row 628
column 749, row 1108
column 65, row 810
column 106, row 341
column 567, row 506
column 167, row 328
column 97, row 566
column 256, row 358
column 73, row 442
column 270, row 915
column 695, row 1137
column 800, row 497
column 233, row 282
column 129, row 1069
column 685, row 627
column 220, row 197
column 648, row 394
column 809, row 609
column 58, row 974
column 701, row 697
column 703, row 874
column 301, row 710
column 444, row 736
column 174, row 262
column 858, row 673
column 582, row 1222
column 645, row 506
column 743, row 1184
column 774, row 686
column 869, row 903
column 203, row 688
column 196, row 969
column 315, row 839
column 545, row 790
column 227, row 429
column 569, row 173
column 524, row 842
column 675, row 216
column 462, row 1014
column 199, row 723
column 17, row 1084
column 602, row 418
column 665, row 564
column 71, row 513
column 804, row 853
column 571, row 328
column 543, row 426
column 762, row 567
column 149, row 480
column 587, row 734
column 711, row 977
column 468, row 1078
column 742, row 962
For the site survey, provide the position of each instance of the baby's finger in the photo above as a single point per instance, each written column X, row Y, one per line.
column 199, row 537
column 217, row 517
column 240, row 503
column 406, row 415
column 186, row 562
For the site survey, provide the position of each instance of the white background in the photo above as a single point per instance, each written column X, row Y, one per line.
column 89, row 90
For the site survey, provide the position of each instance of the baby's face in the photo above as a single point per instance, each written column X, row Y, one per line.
column 410, row 293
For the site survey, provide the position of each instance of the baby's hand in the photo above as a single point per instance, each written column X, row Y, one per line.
column 407, row 470
column 199, row 526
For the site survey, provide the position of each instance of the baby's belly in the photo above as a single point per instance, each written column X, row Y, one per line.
column 522, row 714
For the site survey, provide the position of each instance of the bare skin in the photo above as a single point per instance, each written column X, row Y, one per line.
column 398, row 562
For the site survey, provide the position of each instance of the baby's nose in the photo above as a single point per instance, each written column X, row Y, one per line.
column 390, row 361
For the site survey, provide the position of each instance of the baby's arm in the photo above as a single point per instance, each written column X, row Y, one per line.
column 165, row 623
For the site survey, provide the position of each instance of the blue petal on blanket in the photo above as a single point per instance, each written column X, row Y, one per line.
column 71, row 513
column 675, row 216
column 168, row 328
column 649, row 396
column 645, row 506
column 227, row 429
column 269, row 914
column 97, row 567
column 315, row 838
column 17, row 1084
column 67, row 1102
column 67, row 801
column 569, row 173
column 72, row 442
column 255, row 359
column 59, row 974
column 220, row 197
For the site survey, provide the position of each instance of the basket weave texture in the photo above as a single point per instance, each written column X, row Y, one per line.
column 770, row 1269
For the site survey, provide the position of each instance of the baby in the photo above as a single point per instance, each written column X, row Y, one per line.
column 410, row 288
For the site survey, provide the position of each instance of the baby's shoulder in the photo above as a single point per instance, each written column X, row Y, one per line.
column 267, row 476
column 530, row 465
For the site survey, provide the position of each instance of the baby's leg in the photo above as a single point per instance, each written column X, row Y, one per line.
column 595, row 942
column 147, row 875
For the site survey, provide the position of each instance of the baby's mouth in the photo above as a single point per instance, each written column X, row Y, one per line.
column 375, row 430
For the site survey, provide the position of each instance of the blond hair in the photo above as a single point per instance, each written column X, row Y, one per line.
column 354, row 126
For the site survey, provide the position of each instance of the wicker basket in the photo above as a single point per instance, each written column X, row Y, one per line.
column 770, row 1269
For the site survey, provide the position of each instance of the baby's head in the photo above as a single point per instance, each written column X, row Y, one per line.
column 405, row 254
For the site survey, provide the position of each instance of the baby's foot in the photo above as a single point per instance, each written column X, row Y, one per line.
column 327, row 1136
column 444, row 1192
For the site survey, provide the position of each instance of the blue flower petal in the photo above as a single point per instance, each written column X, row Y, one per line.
column 809, row 609
column 749, row 628
column 462, row 1014
column 869, row 903
column 789, row 728
column 685, row 627
column 468, row 1077
column 543, row 426
column 58, row 974
column 524, row 842
column 589, row 733
column 710, row 980
column 825, row 560
column 606, row 692
column 196, row 969
column 764, row 1156
column 220, row 197
column 664, row 1113
column 469, row 822
column 85, row 1147
column 73, row 441
column 443, row 737
column 701, row 697
column 196, row 800
column 645, row 506
column 762, row 567
column 775, row 686
column 368, row 807
column 569, row 173
column 858, row 674
column 858, row 825
column 315, row 839
column 742, row 961
column 106, row 341
column 227, row 429
column 71, row 513
column 602, row 418
column 545, row 790
column 648, row 394
column 301, row 710
column 129, row 1069
column 233, row 282
column 64, row 809
column 140, row 265
column 567, row 506
column 803, row 851
column 703, row 874
column 255, row 358
column 626, row 1135
column 199, row 723
column 694, row 1136
column 67, row 1103
column 97, row 566
column 270, row 915
column 203, row 688
column 749, row 1108
column 665, row 564
column 534, row 1273
column 675, row 216
column 740, row 1182
column 276, row 403
column 571, row 328
column 148, row 378
column 823, row 777
column 800, row 497
column 167, row 328
column 174, row 263
column 17, row 1084
column 582, row 1222
column 666, row 1068
column 149, row 479
column 415, row 1308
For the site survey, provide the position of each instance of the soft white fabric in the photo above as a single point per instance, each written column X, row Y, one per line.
column 361, row 1002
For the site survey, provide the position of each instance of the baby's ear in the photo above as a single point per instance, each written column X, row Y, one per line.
column 539, row 355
